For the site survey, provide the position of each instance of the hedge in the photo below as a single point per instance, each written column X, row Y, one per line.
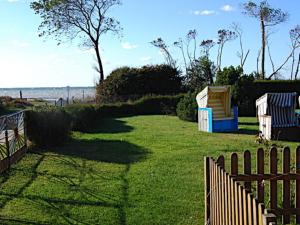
column 148, row 105
column 48, row 126
column 127, row 83
column 248, row 94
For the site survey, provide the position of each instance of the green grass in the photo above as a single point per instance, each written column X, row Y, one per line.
column 135, row 171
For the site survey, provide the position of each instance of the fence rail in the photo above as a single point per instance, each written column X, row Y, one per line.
column 12, row 139
column 241, row 197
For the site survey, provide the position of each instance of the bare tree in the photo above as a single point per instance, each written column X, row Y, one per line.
column 268, row 17
column 180, row 45
column 295, row 40
column 87, row 20
column 223, row 37
column 161, row 45
column 191, row 37
column 206, row 46
column 239, row 32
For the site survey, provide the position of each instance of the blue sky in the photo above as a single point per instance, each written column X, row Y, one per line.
column 29, row 61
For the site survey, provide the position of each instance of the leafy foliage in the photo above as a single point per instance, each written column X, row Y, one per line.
column 229, row 75
column 187, row 108
column 264, row 11
column 200, row 74
column 85, row 19
column 164, row 49
column 131, row 83
column 82, row 116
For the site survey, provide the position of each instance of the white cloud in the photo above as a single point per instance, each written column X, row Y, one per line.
column 128, row 46
column 145, row 59
column 204, row 12
column 20, row 44
column 227, row 8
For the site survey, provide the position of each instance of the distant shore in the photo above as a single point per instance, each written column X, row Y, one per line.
column 49, row 92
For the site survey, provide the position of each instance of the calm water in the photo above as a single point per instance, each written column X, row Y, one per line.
column 49, row 93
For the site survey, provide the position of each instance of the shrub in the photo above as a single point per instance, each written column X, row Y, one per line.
column 10, row 102
column 132, row 83
column 229, row 75
column 249, row 91
column 2, row 109
column 200, row 74
column 148, row 105
column 48, row 126
column 187, row 107
column 82, row 116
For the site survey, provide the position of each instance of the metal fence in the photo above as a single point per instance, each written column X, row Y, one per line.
column 12, row 139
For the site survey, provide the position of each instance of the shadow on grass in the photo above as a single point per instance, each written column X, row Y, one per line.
column 60, row 208
column 110, row 151
column 248, row 123
column 247, row 131
column 110, row 126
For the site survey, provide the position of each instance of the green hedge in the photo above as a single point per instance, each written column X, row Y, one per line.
column 249, row 92
column 82, row 116
column 148, row 105
column 187, row 108
column 48, row 126
column 51, row 126
column 127, row 83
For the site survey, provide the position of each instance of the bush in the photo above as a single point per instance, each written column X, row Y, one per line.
column 10, row 102
column 126, row 83
column 47, row 126
column 200, row 74
column 249, row 92
column 148, row 105
column 229, row 75
column 187, row 108
column 82, row 116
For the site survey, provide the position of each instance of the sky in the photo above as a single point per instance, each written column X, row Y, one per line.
column 27, row 60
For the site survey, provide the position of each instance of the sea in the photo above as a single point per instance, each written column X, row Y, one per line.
column 50, row 93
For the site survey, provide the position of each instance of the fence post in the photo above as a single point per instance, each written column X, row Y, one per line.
column 297, row 203
column 260, row 164
column 286, row 192
column 25, row 128
column 269, row 218
column 7, row 143
column 273, row 183
column 247, row 169
column 207, row 189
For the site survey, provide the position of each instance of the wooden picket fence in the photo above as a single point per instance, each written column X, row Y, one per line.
column 240, row 198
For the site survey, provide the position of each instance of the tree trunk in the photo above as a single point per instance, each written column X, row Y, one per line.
column 297, row 67
column 99, row 61
column 293, row 65
column 220, row 60
column 218, row 57
column 263, row 46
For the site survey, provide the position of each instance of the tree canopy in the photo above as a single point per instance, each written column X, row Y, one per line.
column 87, row 20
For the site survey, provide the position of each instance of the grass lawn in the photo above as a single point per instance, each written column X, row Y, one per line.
column 135, row 170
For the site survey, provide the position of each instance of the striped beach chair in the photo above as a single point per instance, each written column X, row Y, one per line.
column 276, row 114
